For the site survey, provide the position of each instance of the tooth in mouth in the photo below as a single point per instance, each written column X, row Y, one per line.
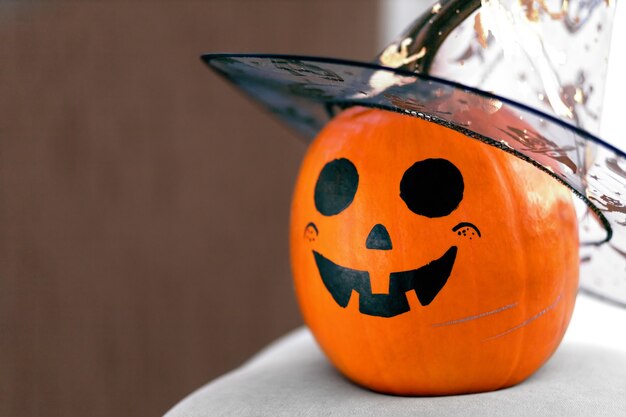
column 426, row 281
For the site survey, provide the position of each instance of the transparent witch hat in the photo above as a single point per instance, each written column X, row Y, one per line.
column 525, row 76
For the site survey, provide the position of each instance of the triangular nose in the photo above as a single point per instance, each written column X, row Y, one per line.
column 378, row 238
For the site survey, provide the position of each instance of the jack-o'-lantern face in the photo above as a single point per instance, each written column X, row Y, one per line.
column 430, row 188
column 419, row 256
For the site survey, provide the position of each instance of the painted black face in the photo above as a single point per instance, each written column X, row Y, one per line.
column 430, row 188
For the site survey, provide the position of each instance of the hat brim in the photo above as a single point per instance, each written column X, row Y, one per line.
column 306, row 92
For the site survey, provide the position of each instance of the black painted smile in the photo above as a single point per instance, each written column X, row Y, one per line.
column 426, row 281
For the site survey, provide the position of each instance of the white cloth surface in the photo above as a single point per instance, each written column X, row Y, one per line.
column 292, row 378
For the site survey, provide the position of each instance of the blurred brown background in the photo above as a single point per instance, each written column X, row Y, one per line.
column 144, row 202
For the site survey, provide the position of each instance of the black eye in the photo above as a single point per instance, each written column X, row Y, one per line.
column 432, row 187
column 336, row 187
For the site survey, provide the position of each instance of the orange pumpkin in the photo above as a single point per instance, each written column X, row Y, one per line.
column 426, row 263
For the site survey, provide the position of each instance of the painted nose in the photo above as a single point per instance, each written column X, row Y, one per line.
column 378, row 238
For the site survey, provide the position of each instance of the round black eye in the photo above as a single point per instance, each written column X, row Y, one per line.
column 336, row 187
column 432, row 187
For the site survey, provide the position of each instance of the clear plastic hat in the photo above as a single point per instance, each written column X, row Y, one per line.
column 470, row 65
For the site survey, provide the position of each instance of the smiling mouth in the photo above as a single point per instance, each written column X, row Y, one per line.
column 426, row 281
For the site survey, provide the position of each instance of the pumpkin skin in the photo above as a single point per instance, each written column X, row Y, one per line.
column 509, row 293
